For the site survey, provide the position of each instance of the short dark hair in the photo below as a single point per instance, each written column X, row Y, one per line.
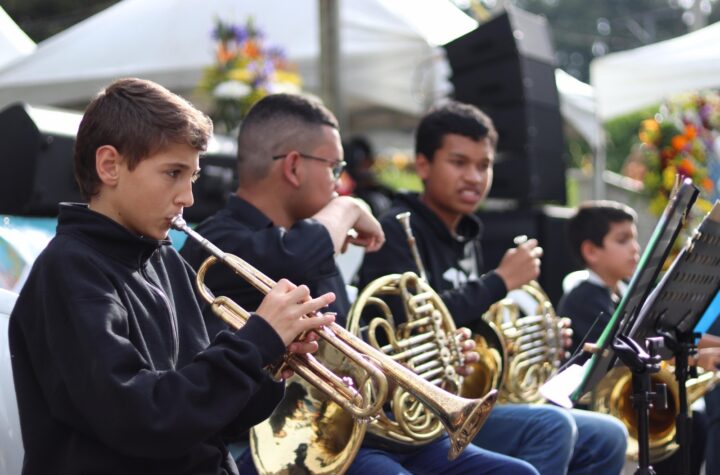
column 592, row 222
column 452, row 117
column 138, row 118
column 275, row 124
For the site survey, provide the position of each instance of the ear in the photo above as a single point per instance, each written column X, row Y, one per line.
column 291, row 169
column 107, row 164
column 589, row 251
column 422, row 166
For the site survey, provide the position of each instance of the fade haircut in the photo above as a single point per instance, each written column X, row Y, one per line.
column 275, row 125
column 139, row 118
column 592, row 223
column 452, row 117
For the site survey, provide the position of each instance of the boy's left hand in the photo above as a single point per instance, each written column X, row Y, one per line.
column 566, row 334
column 467, row 346
column 307, row 345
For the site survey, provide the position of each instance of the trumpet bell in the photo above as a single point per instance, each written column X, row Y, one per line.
column 308, row 431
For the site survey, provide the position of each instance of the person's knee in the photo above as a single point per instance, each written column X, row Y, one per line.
column 557, row 424
column 523, row 468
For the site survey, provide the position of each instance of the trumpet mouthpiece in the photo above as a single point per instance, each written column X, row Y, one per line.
column 178, row 222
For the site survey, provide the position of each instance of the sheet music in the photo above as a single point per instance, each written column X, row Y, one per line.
column 687, row 288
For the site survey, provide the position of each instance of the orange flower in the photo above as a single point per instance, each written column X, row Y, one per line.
column 251, row 49
column 690, row 131
column 686, row 167
column 679, row 142
column 708, row 184
column 223, row 54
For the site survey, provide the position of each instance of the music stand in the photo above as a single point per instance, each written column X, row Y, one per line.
column 676, row 306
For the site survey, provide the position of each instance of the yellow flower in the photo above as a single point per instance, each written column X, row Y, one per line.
column 288, row 77
column 669, row 177
column 703, row 205
column 657, row 204
column 240, row 74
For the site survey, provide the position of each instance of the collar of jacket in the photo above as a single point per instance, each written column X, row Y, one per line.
column 245, row 212
column 106, row 235
column 468, row 229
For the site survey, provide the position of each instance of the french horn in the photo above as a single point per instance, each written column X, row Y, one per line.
column 333, row 393
column 532, row 333
column 613, row 396
column 424, row 342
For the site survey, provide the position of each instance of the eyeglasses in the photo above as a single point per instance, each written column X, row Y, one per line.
column 336, row 166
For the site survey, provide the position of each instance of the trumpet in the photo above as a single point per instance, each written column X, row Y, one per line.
column 461, row 417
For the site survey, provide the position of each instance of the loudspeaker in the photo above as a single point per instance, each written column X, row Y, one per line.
column 506, row 67
column 547, row 225
column 36, row 155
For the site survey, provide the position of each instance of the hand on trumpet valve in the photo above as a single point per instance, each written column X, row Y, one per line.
column 285, row 307
column 467, row 346
column 521, row 264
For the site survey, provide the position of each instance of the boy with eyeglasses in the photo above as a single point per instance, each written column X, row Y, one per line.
column 286, row 220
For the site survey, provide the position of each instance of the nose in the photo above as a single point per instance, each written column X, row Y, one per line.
column 474, row 175
column 185, row 196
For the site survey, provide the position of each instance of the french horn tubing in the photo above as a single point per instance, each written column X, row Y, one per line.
column 426, row 342
column 462, row 418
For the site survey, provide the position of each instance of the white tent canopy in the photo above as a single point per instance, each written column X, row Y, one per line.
column 14, row 43
column 630, row 80
column 388, row 48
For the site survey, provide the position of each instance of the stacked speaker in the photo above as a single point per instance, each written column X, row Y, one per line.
column 507, row 68
column 36, row 156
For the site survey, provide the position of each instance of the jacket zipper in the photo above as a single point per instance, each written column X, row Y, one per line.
column 171, row 315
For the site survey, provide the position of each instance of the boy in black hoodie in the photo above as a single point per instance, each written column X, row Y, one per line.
column 455, row 149
column 113, row 368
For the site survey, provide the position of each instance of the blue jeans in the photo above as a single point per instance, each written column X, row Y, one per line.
column 430, row 459
column 556, row 441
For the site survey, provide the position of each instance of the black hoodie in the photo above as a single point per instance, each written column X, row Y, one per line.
column 453, row 263
column 112, row 368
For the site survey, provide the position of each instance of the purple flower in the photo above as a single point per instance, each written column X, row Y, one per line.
column 239, row 33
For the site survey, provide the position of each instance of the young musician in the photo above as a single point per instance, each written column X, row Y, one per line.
column 286, row 220
column 455, row 151
column 113, row 367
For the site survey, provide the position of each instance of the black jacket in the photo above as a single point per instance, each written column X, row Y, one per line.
column 453, row 263
column 303, row 254
column 590, row 305
column 111, row 362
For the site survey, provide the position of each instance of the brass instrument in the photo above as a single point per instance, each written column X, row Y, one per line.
column 426, row 342
column 613, row 396
column 532, row 332
column 461, row 417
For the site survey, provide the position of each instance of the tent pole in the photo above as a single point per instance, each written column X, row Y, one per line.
column 600, row 163
column 330, row 88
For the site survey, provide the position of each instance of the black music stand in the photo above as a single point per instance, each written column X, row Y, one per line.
column 675, row 307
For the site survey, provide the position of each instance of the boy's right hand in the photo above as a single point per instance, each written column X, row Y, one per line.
column 520, row 265
column 286, row 306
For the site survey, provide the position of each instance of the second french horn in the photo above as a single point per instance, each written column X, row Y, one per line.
column 424, row 340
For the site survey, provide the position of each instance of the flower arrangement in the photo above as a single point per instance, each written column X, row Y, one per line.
column 245, row 70
column 682, row 138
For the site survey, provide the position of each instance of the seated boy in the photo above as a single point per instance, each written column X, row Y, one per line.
column 603, row 238
column 113, row 368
